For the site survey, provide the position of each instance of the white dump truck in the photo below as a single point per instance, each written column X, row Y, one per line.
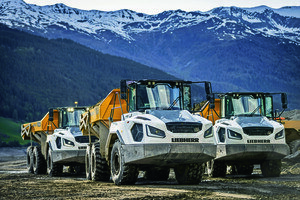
column 61, row 143
column 145, row 126
column 246, row 133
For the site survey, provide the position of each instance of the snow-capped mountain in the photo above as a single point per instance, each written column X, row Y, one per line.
column 231, row 21
column 239, row 49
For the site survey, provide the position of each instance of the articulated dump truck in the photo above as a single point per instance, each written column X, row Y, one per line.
column 246, row 133
column 60, row 142
column 145, row 126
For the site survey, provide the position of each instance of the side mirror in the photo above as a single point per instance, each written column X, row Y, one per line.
column 51, row 114
column 208, row 89
column 284, row 100
column 123, row 88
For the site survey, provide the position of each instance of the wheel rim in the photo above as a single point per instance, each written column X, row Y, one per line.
column 49, row 163
column 34, row 160
column 93, row 163
column 116, row 165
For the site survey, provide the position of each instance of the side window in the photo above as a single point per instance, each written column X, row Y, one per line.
column 132, row 98
column 269, row 107
column 187, row 97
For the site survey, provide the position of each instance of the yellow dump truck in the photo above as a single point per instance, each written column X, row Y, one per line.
column 60, row 141
column 246, row 133
column 145, row 126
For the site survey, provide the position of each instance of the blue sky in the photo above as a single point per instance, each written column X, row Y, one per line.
column 157, row 6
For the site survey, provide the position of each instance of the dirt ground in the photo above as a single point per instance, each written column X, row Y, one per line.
column 16, row 183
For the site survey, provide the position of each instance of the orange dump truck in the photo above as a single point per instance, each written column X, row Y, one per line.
column 145, row 126
column 60, row 142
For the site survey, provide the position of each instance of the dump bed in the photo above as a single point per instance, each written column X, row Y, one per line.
column 34, row 130
column 104, row 112
column 292, row 130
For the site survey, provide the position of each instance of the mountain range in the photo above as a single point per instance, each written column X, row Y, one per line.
column 237, row 49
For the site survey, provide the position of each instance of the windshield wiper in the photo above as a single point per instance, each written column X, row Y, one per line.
column 254, row 111
column 173, row 103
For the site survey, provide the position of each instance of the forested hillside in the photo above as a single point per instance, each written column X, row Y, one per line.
column 38, row 73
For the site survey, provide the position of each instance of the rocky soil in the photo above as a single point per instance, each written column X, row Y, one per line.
column 16, row 183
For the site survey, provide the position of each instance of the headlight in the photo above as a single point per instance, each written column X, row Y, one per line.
column 234, row 135
column 155, row 132
column 68, row 143
column 279, row 135
column 208, row 133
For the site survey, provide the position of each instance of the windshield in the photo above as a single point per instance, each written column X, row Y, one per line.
column 243, row 105
column 161, row 96
column 71, row 117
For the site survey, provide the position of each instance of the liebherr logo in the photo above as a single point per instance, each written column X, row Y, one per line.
column 185, row 139
column 258, row 141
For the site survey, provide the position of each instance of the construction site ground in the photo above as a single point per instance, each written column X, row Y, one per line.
column 16, row 183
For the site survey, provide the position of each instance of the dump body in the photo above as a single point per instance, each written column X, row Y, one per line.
column 35, row 130
column 292, row 130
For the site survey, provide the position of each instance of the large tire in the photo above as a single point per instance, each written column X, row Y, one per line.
column 39, row 162
column 157, row 174
column 271, row 168
column 121, row 174
column 29, row 159
column 243, row 169
column 190, row 174
column 87, row 163
column 294, row 146
column 216, row 169
column 53, row 169
column 99, row 167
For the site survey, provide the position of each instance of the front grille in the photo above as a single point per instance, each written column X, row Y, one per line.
column 258, row 130
column 85, row 139
column 184, row 127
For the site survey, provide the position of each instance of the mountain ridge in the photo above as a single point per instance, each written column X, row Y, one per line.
column 234, row 48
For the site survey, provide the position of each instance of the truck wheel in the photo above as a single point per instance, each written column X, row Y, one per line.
column 294, row 146
column 99, row 167
column 39, row 162
column 157, row 174
column 271, row 168
column 87, row 162
column 29, row 159
column 53, row 169
column 216, row 169
column 244, row 169
column 121, row 174
column 189, row 174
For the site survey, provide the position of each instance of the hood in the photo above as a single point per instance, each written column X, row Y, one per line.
column 75, row 131
column 173, row 115
column 258, row 121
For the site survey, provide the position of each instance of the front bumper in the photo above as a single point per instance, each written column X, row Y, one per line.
column 168, row 154
column 254, row 153
column 69, row 156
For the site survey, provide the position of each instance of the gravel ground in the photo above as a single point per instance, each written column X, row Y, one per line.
column 16, row 183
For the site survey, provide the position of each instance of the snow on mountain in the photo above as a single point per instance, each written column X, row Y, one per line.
column 288, row 11
column 231, row 21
